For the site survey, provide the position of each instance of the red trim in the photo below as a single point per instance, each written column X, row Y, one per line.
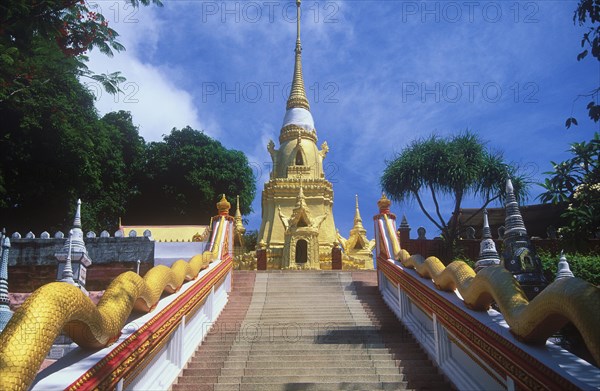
column 167, row 320
column 527, row 371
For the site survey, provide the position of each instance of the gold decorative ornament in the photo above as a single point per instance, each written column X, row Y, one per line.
column 384, row 204
column 223, row 206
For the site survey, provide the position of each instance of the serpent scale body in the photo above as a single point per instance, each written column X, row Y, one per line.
column 565, row 300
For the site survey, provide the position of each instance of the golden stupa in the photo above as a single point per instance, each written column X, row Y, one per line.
column 297, row 221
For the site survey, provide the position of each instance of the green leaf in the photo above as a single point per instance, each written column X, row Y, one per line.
column 570, row 121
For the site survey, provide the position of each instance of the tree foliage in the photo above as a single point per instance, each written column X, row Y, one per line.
column 588, row 14
column 56, row 149
column 576, row 181
column 184, row 176
column 250, row 240
column 455, row 167
column 41, row 40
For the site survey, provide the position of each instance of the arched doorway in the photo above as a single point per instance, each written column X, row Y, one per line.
column 299, row 158
column 301, row 251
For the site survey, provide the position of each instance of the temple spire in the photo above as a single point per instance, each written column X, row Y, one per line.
column 5, row 312
column 297, row 97
column 77, row 220
column 76, row 242
column 487, row 232
column 488, row 256
column 514, row 225
column 519, row 255
column 239, row 224
column 357, row 218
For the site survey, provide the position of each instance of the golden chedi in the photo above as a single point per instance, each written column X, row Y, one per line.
column 358, row 249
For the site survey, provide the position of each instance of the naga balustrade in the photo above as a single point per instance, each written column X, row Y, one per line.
column 119, row 349
column 447, row 309
column 152, row 349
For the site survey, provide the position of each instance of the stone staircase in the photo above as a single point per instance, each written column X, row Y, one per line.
column 308, row 331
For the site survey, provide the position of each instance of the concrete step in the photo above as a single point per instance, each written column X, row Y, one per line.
column 296, row 355
column 292, row 387
column 299, row 355
column 244, row 336
column 308, row 331
column 302, row 371
column 403, row 366
column 277, row 347
column 269, row 365
column 312, row 386
column 278, row 372
column 370, row 378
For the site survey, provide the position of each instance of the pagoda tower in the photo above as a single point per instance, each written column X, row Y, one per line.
column 297, row 220
column 519, row 256
column 488, row 255
column 358, row 247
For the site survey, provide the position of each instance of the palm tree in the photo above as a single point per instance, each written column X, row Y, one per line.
column 457, row 167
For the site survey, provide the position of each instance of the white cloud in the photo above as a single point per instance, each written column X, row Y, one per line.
column 156, row 103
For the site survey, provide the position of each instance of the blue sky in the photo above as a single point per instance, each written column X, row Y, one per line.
column 378, row 74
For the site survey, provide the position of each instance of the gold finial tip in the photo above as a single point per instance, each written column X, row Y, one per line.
column 237, row 206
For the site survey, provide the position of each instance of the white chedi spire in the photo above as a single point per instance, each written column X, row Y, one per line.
column 74, row 254
column 514, row 227
column 563, row 271
column 77, row 219
column 67, row 274
column 5, row 312
column 488, row 256
column 76, row 244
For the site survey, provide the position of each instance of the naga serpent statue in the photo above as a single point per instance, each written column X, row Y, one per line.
column 59, row 306
column 565, row 300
